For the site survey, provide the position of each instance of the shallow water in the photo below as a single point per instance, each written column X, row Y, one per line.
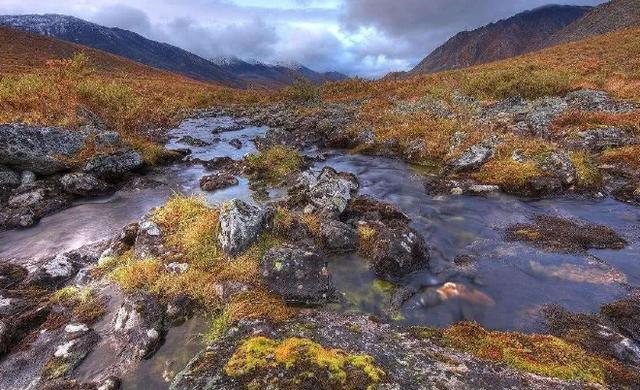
column 502, row 289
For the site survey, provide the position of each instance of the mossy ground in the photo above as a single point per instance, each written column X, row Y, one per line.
column 274, row 165
column 191, row 230
column 261, row 361
column 80, row 305
column 542, row 355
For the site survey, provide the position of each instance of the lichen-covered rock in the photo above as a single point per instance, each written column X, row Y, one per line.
column 82, row 184
column 53, row 273
column 338, row 237
column 599, row 139
column 39, row 149
column 240, row 226
column 297, row 274
column 218, row 181
column 387, row 358
column 139, row 326
column 330, row 192
column 114, row 166
column 150, row 239
column 69, row 354
column 393, row 248
column 474, row 157
column 559, row 164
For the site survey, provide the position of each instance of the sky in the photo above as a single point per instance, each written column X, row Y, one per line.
column 366, row 38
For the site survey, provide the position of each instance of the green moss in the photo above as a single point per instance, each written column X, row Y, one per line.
column 538, row 354
column 274, row 165
column 259, row 359
column 82, row 303
column 55, row 368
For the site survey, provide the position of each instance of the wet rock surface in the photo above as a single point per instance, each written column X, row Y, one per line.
column 407, row 362
column 298, row 274
column 557, row 234
column 218, row 181
column 240, row 225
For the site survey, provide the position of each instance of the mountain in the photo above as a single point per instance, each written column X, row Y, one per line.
column 123, row 43
column 279, row 74
column 522, row 33
column 227, row 71
column 611, row 16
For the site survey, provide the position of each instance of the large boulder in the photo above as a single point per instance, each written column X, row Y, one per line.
column 46, row 150
column 297, row 274
column 113, row 166
column 474, row 157
column 240, row 226
column 82, row 184
column 139, row 326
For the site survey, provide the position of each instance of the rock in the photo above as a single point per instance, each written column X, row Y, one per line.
column 331, row 191
column 39, row 149
column 297, row 274
column 113, row 166
column 236, row 143
column 240, row 226
column 542, row 113
column 123, row 241
column 192, row 141
column 82, row 184
column 565, row 235
column 9, row 178
column 408, row 360
column 54, row 273
column 483, row 189
column 27, row 199
column 139, row 326
column 69, row 355
column 590, row 100
column 366, row 208
column 541, row 186
column 599, row 139
column 150, row 239
column 559, row 164
column 218, row 181
column 474, row 157
column 338, row 237
column 392, row 248
column 218, row 163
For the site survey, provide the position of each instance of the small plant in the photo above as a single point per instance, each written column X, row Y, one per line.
column 274, row 165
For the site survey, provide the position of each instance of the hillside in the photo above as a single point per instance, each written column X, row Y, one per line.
column 517, row 35
column 612, row 16
column 123, row 43
column 46, row 81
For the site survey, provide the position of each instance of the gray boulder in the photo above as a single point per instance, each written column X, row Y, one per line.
column 82, row 184
column 53, row 273
column 330, row 192
column 297, row 274
column 338, row 237
column 113, row 166
column 43, row 149
column 559, row 164
column 149, row 241
column 474, row 157
column 9, row 178
column 240, row 226
column 138, row 327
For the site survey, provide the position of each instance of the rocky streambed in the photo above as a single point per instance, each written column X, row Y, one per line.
column 387, row 263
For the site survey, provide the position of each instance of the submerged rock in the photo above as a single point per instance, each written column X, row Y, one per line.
column 393, row 248
column 297, row 274
column 560, row 235
column 236, row 143
column 192, row 141
column 218, row 181
column 240, row 226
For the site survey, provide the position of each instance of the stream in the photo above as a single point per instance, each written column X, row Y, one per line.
column 502, row 288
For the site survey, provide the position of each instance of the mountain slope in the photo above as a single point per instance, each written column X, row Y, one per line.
column 257, row 73
column 612, row 16
column 123, row 43
column 517, row 35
